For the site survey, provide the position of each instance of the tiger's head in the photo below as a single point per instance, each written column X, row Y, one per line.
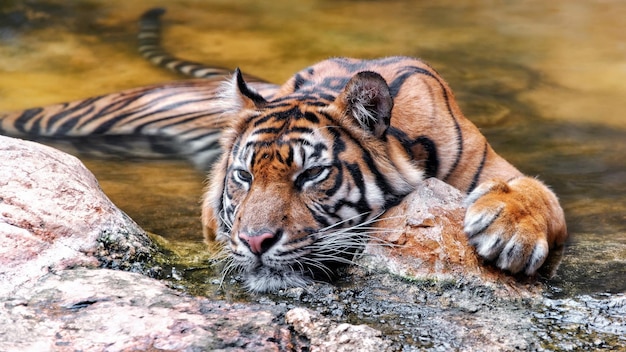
column 301, row 178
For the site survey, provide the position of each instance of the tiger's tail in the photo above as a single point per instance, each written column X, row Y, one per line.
column 149, row 40
column 149, row 45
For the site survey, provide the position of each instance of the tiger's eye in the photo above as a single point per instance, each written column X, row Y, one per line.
column 309, row 175
column 243, row 175
column 312, row 173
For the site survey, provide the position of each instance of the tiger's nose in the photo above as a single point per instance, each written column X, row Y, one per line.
column 259, row 242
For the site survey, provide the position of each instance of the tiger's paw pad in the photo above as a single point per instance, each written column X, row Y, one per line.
column 507, row 226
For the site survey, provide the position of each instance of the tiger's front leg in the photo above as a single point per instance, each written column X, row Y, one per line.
column 514, row 223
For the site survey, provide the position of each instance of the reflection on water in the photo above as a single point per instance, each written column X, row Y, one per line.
column 163, row 196
column 544, row 80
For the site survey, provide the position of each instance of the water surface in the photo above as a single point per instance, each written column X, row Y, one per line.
column 545, row 81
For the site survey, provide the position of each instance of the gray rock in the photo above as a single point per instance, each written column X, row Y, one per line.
column 107, row 310
column 111, row 310
column 328, row 336
column 424, row 240
column 53, row 215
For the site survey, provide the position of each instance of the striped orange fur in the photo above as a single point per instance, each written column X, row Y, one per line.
column 304, row 169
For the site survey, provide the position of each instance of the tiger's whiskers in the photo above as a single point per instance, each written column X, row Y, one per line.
column 331, row 245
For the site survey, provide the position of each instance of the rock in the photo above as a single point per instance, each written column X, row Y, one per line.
column 327, row 336
column 53, row 215
column 102, row 309
column 96, row 310
column 427, row 242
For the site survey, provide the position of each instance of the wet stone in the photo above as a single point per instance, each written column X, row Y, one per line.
column 327, row 336
column 53, row 216
column 428, row 243
column 85, row 309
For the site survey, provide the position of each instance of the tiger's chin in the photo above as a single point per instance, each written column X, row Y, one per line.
column 264, row 279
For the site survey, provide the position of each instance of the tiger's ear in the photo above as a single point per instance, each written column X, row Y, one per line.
column 245, row 97
column 367, row 99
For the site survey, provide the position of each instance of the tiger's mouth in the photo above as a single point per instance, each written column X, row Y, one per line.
column 270, row 261
column 271, row 273
column 266, row 279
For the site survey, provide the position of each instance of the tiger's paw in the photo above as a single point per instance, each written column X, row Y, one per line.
column 514, row 224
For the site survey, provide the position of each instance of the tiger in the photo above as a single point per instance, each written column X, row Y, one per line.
column 299, row 173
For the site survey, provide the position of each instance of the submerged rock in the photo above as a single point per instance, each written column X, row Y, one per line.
column 53, row 216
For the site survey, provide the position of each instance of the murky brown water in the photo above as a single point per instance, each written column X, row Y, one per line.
column 546, row 81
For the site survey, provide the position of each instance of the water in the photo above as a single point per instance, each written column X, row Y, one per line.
column 545, row 81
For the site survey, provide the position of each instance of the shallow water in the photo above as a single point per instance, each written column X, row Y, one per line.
column 545, row 81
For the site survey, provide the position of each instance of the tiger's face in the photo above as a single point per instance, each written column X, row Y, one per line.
column 299, row 183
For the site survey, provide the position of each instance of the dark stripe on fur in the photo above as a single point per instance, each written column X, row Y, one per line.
column 479, row 170
column 149, row 38
column 430, row 162
column 391, row 197
column 395, row 87
column 24, row 118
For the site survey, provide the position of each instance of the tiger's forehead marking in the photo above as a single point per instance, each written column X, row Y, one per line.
column 296, row 152
column 292, row 111
column 289, row 138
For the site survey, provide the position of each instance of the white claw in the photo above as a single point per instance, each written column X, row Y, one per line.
column 488, row 246
column 538, row 256
column 476, row 222
column 511, row 257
